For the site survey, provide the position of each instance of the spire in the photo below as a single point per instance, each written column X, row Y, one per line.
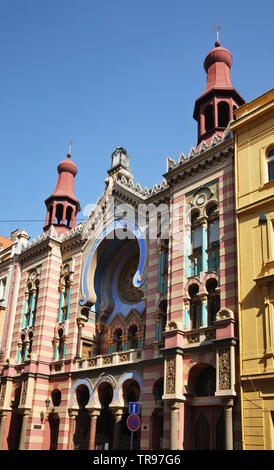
column 214, row 109
column 62, row 205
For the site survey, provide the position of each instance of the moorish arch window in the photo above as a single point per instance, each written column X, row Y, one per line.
column 59, row 213
column 117, row 340
column 31, row 299
column 213, row 237
column 202, row 242
column 223, row 114
column 196, row 244
column 213, row 300
column 195, row 307
column 206, row 382
column 61, row 345
column 209, row 118
column 132, row 337
column 65, row 286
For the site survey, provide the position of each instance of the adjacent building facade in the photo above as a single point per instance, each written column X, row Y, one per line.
column 254, row 161
column 137, row 304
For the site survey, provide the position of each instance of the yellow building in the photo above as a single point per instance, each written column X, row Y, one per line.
column 254, row 161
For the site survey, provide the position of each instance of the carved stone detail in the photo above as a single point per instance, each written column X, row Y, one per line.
column 124, row 357
column 225, row 314
column 107, row 360
column 224, row 369
column 194, row 338
column 170, row 375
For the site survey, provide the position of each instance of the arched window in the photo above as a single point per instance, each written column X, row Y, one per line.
column 163, row 315
column 206, row 383
column 50, row 215
column 30, row 342
column 23, row 348
column 195, row 307
column 213, row 235
column 132, row 337
column 61, row 345
column 68, row 215
column 270, row 165
column 59, row 213
column 209, row 121
column 223, row 114
column 117, row 340
column 56, row 397
column 65, row 300
column 213, row 300
column 196, row 245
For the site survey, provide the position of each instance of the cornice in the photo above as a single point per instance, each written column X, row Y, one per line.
column 201, row 162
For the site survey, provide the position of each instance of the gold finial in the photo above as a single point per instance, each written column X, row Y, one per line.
column 69, row 150
column 217, row 29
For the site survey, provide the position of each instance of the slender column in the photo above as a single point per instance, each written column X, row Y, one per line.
column 158, row 325
column 80, row 322
column 118, row 414
column 174, row 426
column 19, row 352
column 93, row 423
column 3, row 415
column 187, row 322
column 25, row 309
column 72, row 427
column 140, row 336
column 26, row 350
column 25, row 421
column 124, row 343
column 56, row 344
column 60, row 306
column 64, row 213
column 65, row 338
column 204, row 310
column 204, row 246
column 187, row 252
column 228, row 408
column 32, row 307
column 110, row 346
column 69, row 300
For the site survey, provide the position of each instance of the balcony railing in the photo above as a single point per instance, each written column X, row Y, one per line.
column 200, row 335
column 113, row 359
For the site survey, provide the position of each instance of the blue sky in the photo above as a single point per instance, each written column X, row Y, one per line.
column 108, row 73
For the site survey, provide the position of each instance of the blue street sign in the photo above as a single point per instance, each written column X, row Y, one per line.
column 133, row 407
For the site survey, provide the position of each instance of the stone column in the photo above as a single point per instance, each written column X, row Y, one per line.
column 118, row 414
column 174, row 425
column 25, row 413
column 187, row 314
column 80, row 322
column 4, row 414
column 204, row 316
column 124, row 343
column 93, row 423
column 72, row 427
column 228, row 408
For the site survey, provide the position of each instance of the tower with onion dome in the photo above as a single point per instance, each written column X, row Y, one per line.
column 214, row 108
column 62, row 205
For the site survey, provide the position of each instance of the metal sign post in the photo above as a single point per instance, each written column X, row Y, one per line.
column 133, row 424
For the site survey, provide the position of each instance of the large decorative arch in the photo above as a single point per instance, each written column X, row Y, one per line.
column 88, row 294
column 79, row 382
column 94, row 400
column 118, row 393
